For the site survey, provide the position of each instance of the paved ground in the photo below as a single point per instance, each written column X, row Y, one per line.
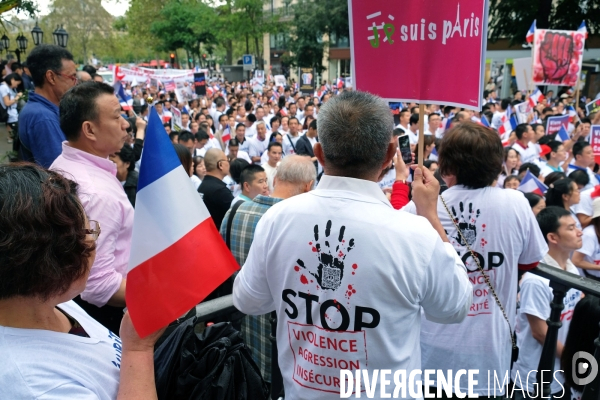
column 4, row 145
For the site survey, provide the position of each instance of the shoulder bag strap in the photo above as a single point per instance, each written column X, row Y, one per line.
column 230, row 222
column 292, row 143
column 485, row 276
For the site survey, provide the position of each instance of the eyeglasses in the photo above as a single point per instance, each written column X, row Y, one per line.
column 94, row 229
column 73, row 78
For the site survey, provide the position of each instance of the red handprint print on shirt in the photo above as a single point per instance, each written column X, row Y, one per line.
column 556, row 52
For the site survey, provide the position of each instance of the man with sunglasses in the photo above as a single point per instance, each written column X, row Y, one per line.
column 53, row 72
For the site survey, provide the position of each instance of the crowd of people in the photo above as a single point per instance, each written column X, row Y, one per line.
column 334, row 233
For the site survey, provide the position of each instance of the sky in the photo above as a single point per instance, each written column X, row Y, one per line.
column 115, row 7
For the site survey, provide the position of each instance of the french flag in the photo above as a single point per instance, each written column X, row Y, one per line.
column 177, row 255
column 484, row 121
column 562, row 135
column 572, row 114
column 125, row 101
column 434, row 155
column 531, row 33
column 531, row 184
column 226, row 137
column 536, row 97
column 340, row 83
column 508, row 125
column 117, row 74
column 583, row 29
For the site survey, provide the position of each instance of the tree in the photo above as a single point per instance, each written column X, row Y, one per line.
column 312, row 21
column 512, row 18
column 87, row 22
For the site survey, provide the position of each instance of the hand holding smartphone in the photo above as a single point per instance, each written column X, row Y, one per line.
column 404, row 145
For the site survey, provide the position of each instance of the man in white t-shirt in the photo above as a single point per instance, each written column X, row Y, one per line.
column 258, row 144
column 584, row 160
column 499, row 114
column 289, row 140
column 250, row 126
column 563, row 237
column 274, row 152
column 413, row 131
column 499, row 227
column 404, row 120
column 349, row 294
column 434, row 123
column 525, row 146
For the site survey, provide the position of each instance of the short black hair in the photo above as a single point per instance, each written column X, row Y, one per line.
column 236, row 167
column 173, row 135
column 248, row 174
column 549, row 219
column 291, row 118
column 580, row 177
column 46, row 57
column 533, row 199
column 15, row 66
column 185, row 136
column 274, row 144
column 578, row 148
column 251, row 118
column 520, row 130
column 90, row 69
column 414, row 119
column 202, row 135
column 79, row 105
column 534, row 169
column 505, row 103
column 554, row 146
column 126, row 154
column 313, row 124
column 233, row 143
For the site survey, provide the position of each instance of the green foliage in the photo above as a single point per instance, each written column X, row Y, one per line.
column 312, row 20
column 512, row 18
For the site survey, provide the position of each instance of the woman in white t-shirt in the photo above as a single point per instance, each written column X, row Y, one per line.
column 564, row 193
column 587, row 259
column 49, row 347
column 499, row 227
column 8, row 100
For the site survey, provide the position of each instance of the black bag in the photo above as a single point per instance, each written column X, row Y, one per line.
column 212, row 365
column 3, row 114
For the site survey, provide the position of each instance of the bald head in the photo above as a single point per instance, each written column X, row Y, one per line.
column 83, row 76
column 212, row 158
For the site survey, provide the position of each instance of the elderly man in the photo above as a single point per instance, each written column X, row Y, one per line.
column 83, row 76
column 259, row 143
column 90, row 117
column 295, row 176
column 53, row 73
column 347, row 274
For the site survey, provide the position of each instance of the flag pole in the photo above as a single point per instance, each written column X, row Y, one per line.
column 577, row 93
column 421, row 134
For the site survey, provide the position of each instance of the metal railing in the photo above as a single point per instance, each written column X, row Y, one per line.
column 560, row 282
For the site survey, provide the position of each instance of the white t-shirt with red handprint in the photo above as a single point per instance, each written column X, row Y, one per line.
column 500, row 228
column 349, row 277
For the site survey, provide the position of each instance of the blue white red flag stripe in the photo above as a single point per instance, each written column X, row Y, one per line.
column 562, row 135
column 536, row 97
column 531, row 33
column 177, row 255
column 531, row 184
column 583, row 29
column 484, row 121
column 124, row 100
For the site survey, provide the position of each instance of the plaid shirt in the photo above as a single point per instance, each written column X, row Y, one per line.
column 255, row 329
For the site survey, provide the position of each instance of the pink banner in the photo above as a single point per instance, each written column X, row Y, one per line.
column 420, row 50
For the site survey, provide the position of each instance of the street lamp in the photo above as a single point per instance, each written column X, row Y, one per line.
column 5, row 41
column 22, row 42
column 61, row 37
column 37, row 34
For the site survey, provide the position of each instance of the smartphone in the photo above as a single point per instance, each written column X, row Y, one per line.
column 404, row 144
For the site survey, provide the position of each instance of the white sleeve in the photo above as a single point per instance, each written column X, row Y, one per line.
column 410, row 208
column 446, row 294
column 252, row 149
column 584, row 206
column 535, row 299
column 534, row 246
column 251, row 294
column 69, row 391
column 589, row 243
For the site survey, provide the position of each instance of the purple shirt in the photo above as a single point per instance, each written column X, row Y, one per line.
column 105, row 201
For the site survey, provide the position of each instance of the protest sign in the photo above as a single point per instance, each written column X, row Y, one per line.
column 169, row 85
column 307, row 82
column 524, row 112
column 184, row 92
column 595, row 141
column 557, row 57
column 592, row 107
column 523, row 74
column 176, row 121
column 554, row 123
column 259, row 75
column 448, row 32
column 280, row 80
column 200, row 83
column 348, row 82
column 154, row 83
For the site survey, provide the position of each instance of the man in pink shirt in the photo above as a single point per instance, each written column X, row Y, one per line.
column 90, row 117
